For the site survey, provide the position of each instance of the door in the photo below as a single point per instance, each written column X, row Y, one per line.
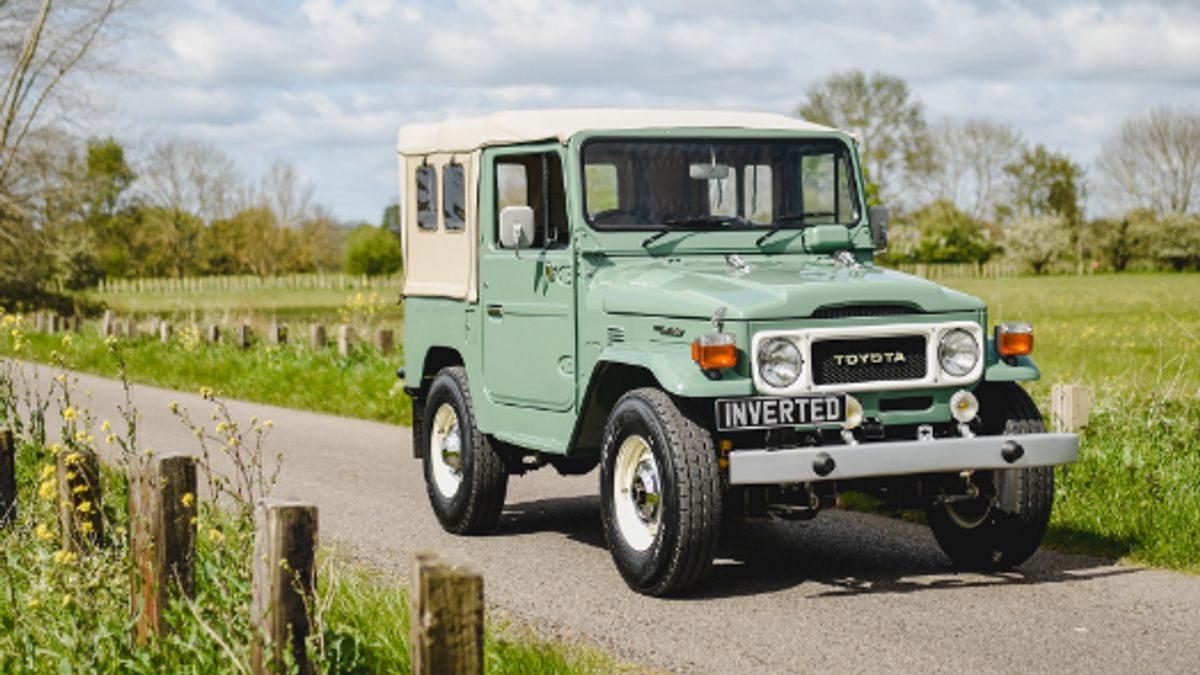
column 527, row 295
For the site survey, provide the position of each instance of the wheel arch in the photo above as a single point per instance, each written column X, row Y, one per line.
column 609, row 381
column 436, row 359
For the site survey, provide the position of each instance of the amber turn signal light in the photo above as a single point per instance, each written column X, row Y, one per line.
column 714, row 351
column 1014, row 339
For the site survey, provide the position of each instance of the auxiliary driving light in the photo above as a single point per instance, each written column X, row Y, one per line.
column 854, row 414
column 1014, row 339
column 714, row 351
column 964, row 406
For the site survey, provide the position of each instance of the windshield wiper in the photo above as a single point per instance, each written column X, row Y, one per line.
column 789, row 218
column 655, row 237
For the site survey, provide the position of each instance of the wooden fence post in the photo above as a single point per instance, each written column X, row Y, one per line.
column 214, row 333
column 162, row 521
column 243, row 335
column 164, row 332
column 107, row 324
column 1069, row 405
column 316, row 334
column 285, row 581
column 385, row 340
column 345, row 338
column 79, row 499
column 131, row 328
column 155, row 323
column 446, row 617
column 8, row 477
column 278, row 335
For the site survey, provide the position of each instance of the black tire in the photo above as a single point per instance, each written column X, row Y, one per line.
column 1005, row 526
column 682, row 543
column 474, row 505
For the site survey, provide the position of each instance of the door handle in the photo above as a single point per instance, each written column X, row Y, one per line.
column 495, row 311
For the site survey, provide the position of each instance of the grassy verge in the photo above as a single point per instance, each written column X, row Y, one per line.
column 362, row 385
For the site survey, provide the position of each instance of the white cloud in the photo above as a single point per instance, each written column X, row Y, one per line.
column 327, row 83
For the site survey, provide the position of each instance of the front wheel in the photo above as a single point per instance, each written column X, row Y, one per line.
column 464, row 476
column 660, row 494
column 1004, row 526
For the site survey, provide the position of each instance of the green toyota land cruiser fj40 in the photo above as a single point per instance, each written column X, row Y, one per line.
column 689, row 300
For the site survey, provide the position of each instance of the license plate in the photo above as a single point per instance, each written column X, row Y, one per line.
column 769, row 412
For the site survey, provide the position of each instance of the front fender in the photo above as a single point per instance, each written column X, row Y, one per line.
column 1022, row 368
column 672, row 366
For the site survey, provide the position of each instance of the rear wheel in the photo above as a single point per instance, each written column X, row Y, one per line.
column 1004, row 526
column 464, row 476
column 660, row 494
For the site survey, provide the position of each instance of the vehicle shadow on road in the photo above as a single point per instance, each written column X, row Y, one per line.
column 838, row 554
column 844, row 554
column 577, row 518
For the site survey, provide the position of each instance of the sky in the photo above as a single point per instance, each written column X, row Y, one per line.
column 327, row 84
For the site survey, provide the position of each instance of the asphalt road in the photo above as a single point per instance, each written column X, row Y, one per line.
column 845, row 592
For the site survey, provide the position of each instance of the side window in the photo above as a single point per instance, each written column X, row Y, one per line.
column 454, row 196
column 603, row 193
column 427, row 218
column 536, row 181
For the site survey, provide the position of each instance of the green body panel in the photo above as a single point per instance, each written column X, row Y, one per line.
column 547, row 319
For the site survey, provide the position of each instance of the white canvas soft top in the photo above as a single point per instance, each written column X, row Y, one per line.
column 519, row 126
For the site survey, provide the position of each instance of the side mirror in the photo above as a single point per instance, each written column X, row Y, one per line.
column 516, row 227
column 879, row 227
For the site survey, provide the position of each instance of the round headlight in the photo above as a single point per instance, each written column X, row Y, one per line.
column 958, row 352
column 779, row 362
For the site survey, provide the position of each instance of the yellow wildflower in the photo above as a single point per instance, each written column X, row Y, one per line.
column 70, row 414
column 44, row 532
column 55, row 449
column 33, row 603
column 86, row 527
column 215, row 536
column 84, row 507
column 64, row 557
column 60, row 378
column 269, row 424
column 110, row 439
column 187, row 500
column 222, row 427
column 73, row 458
column 81, row 436
column 106, row 426
column 206, row 392
column 110, row 340
column 47, row 490
column 174, row 407
column 67, row 340
column 47, row 471
column 66, row 599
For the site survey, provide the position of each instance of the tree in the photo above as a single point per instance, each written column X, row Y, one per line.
column 391, row 219
column 950, row 236
column 967, row 160
column 190, row 176
column 373, row 251
column 881, row 111
column 1037, row 241
column 1044, row 183
column 284, row 191
column 1118, row 242
column 44, row 44
column 1153, row 162
column 1177, row 241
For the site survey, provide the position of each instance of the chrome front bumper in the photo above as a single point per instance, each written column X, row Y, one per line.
column 900, row 458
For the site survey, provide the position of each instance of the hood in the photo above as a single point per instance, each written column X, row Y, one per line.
column 773, row 288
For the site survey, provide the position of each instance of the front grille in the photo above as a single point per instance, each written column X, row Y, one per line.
column 852, row 311
column 869, row 360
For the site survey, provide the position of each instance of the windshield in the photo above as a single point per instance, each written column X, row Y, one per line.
column 682, row 184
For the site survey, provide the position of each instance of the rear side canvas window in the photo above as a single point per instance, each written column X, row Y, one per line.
column 427, row 218
column 454, row 197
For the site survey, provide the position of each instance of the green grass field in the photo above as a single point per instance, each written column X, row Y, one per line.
column 1133, row 338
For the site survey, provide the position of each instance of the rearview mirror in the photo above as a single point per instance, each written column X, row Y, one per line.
column 709, row 171
column 879, row 226
column 516, row 227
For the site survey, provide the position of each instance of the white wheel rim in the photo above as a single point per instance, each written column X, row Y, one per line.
column 637, row 493
column 445, row 451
